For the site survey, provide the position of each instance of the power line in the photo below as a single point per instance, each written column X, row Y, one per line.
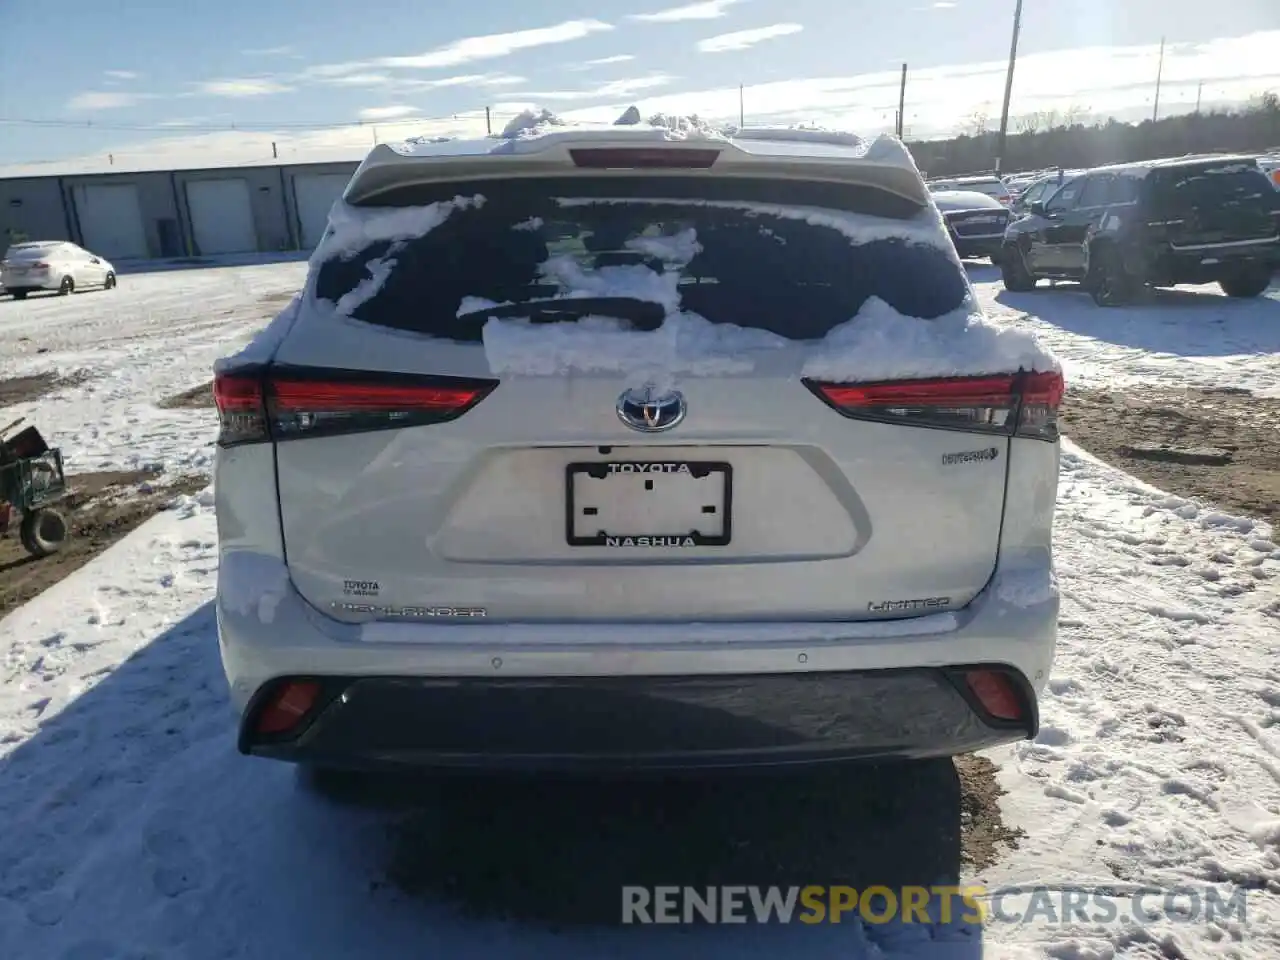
column 249, row 127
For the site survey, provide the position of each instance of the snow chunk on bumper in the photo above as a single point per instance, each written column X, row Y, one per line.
column 882, row 344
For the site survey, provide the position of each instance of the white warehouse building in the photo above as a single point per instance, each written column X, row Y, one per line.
column 141, row 214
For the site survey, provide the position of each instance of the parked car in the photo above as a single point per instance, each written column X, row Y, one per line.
column 1042, row 188
column 454, row 531
column 976, row 222
column 1117, row 229
column 53, row 265
column 992, row 186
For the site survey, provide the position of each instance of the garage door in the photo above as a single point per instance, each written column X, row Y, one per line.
column 111, row 220
column 315, row 193
column 221, row 216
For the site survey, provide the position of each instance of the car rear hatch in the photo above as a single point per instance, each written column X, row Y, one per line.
column 1210, row 204
column 449, row 445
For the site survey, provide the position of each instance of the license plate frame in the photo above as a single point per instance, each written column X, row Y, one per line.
column 688, row 538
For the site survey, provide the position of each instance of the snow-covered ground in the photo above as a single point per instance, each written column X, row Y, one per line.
column 133, row 829
column 1187, row 336
column 154, row 336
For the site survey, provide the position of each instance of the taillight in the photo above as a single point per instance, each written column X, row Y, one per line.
column 241, row 415
column 288, row 403
column 644, row 158
column 996, row 693
column 40, row 265
column 1019, row 404
column 287, row 707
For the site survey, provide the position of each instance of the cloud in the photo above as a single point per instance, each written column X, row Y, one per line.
column 602, row 62
column 121, row 74
column 358, row 80
column 743, row 39
column 618, row 88
column 1104, row 81
column 944, row 4
column 470, row 49
column 387, row 113
column 707, row 10
column 103, row 100
column 242, row 87
column 284, row 51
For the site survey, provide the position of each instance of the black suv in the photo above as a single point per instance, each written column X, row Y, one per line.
column 1156, row 223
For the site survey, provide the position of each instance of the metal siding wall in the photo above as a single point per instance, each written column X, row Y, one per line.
column 38, row 213
column 44, row 214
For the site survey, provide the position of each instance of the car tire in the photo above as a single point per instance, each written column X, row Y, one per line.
column 1246, row 284
column 1014, row 273
column 1109, row 281
column 66, row 287
column 19, row 294
column 43, row 532
column 109, row 282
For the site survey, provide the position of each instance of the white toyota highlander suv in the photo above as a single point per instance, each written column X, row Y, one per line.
column 625, row 447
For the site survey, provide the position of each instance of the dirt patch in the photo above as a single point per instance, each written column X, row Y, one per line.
column 21, row 389
column 195, row 398
column 1220, row 446
column 98, row 516
column 559, row 853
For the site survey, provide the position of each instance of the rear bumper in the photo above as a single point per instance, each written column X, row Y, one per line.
column 640, row 723
column 32, row 281
column 635, row 696
column 1169, row 265
column 978, row 246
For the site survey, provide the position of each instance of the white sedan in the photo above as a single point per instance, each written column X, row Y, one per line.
column 53, row 265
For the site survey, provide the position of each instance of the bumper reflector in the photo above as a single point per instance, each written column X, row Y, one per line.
column 287, row 706
column 996, row 692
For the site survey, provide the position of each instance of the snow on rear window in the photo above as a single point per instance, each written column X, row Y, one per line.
column 732, row 278
column 793, row 271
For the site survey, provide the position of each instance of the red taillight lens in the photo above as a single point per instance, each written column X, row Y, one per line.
column 290, row 404
column 40, row 265
column 287, row 707
column 241, row 414
column 996, row 693
column 646, row 158
column 1025, row 404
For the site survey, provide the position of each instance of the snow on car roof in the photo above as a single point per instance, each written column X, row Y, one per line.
column 965, row 200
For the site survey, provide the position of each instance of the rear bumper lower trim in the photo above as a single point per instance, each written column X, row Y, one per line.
column 641, row 723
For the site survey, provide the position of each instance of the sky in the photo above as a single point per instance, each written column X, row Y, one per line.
column 228, row 78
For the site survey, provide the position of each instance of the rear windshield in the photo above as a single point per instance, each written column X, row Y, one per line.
column 735, row 264
column 1191, row 188
column 30, row 251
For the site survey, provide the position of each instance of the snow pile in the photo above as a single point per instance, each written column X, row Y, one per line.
column 678, row 248
column 882, row 344
column 685, row 343
column 530, row 123
column 680, row 127
column 352, row 229
column 634, row 281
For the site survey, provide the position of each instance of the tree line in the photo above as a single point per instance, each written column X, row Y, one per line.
column 1062, row 139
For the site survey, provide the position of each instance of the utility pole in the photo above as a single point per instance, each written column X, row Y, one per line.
column 742, row 108
column 1008, row 88
column 902, row 101
column 1199, row 90
column 488, row 122
column 1155, row 111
